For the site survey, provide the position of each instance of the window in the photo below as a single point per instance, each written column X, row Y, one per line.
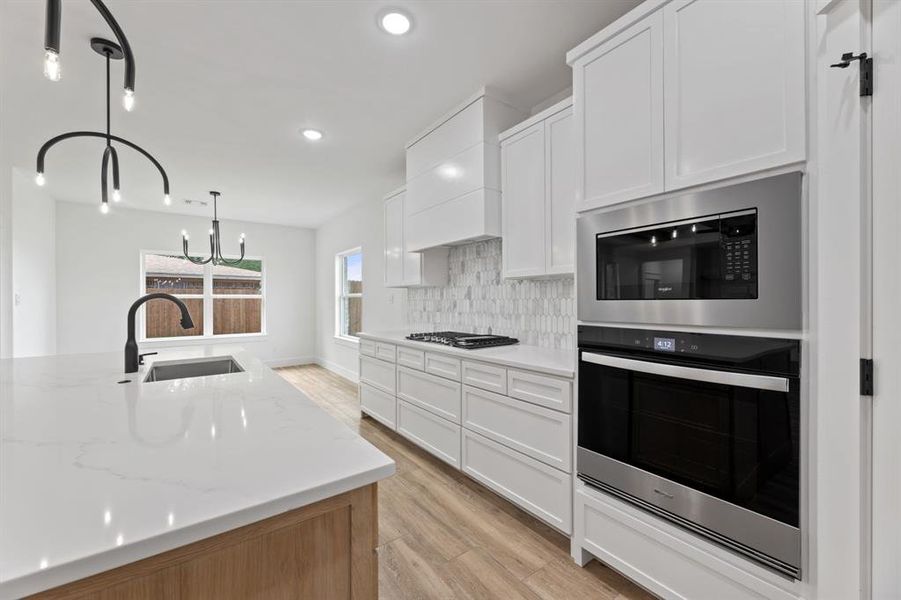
column 349, row 280
column 222, row 299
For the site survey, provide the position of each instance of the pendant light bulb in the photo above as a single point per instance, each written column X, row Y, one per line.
column 167, row 200
column 128, row 100
column 39, row 179
column 51, row 65
column 117, row 196
column 184, row 234
column 211, row 232
column 104, row 207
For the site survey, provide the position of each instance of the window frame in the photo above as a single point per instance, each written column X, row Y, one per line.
column 208, row 297
column 340, row 295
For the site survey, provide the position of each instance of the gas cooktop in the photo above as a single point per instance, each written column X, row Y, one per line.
column 467, row 341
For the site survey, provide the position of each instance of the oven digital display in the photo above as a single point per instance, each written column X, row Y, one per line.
column 665, row 344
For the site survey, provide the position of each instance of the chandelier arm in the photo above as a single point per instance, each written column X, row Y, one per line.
column 52, row 25
column 120, row 37
column 196, row 261
column 42, row 153
column 115, row 159
column 104, row 167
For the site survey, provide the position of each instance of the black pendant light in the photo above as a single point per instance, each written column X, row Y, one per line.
column 52, row 46
column 215, row 242
column 110, row 51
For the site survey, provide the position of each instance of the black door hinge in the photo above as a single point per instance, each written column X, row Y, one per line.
column 866, row 376
column 866, row 70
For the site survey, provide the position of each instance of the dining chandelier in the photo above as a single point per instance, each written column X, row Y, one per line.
column 111, row 51
column 215, row 242
column 52, row 31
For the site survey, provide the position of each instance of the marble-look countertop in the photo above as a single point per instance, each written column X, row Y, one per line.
column 95, row 474
column 561, row 363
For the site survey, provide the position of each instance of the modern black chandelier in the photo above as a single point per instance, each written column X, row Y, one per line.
column 110, row 51
column 215, row 242
column 52, row 28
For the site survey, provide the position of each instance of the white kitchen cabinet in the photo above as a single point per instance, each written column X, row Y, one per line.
column 538, row 173
column 560, row 207
column 692, row 92
column 434, row 394
column 453, row 175
column 523, row 193
column 544, row 491
column 430, row 432
column 734, row 88
column 409, row 269
column 378, row 374
column 379, row 405
column 618, row 102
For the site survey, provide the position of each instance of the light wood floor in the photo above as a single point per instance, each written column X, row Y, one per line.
column 441, row 535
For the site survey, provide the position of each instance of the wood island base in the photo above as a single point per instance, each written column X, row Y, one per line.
column 322, row 551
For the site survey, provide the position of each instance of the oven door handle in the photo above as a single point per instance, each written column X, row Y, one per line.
column 760, row 382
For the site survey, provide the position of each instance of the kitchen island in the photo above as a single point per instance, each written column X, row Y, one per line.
column 222, row 486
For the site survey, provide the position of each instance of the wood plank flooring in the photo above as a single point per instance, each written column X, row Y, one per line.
column 442, row 535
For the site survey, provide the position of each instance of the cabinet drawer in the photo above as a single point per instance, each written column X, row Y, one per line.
column 434, row 434
column 487, row 377
column 547, row 391
column 542, row 490
column 410, row 357
column 539, row 432
column 444, row 366
column 377, row 404
column 377, row 373
column 385, row 351
column 367, row 347
column 437, row 395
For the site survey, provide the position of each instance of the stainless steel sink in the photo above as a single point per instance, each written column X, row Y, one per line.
column 194, row 367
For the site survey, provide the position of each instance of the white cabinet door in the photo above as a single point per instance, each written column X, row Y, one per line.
column 734, row 79
column 523, row 184
column 402, row 268
column 618, row 95
column 560, row 162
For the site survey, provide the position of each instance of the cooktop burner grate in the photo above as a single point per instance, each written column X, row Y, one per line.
column 467, row 341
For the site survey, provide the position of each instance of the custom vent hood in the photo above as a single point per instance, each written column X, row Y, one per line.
column 453, row 175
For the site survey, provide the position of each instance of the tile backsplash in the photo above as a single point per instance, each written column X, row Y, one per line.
column 477, row 298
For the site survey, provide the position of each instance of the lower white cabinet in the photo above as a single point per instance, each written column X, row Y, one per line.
column 539, row 432
column 380, row 406
column 435, row 394
column 666, row 559
column 544, row 491
column 377, row 373
column 431, row 432
column 552, row 392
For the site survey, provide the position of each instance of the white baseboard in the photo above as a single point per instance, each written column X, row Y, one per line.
column 294, row 361
column 336, row 368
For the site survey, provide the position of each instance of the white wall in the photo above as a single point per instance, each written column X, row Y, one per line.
column 383, row 308
column 98, row 276
column 33, row 236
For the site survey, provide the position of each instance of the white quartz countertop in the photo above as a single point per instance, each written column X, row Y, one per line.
column 532, row 358
column 95, row 474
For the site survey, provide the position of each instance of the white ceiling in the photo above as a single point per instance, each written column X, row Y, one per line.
column 224, row 86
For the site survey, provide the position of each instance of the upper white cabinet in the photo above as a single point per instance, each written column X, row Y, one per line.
column 408, row 269
column 538, row 173
column 692, row 92
column 453, row 175
column 734, row 81
column 618, row 101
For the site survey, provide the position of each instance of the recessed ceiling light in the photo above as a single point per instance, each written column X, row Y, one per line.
column 312, row 134
column 395, row 22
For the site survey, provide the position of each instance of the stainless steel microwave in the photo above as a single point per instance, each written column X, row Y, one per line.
column 728, row 257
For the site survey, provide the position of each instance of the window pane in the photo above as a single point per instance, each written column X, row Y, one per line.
column 353, row 316
column 237, row 315
column 164, row 318
column 353, row 273
column 244, row 278
column 172, row 275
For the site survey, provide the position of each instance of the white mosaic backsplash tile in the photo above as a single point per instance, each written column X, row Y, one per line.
column 477, row 298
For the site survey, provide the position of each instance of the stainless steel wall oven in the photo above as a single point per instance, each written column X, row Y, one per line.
column 728, row 257
column 701, row 429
